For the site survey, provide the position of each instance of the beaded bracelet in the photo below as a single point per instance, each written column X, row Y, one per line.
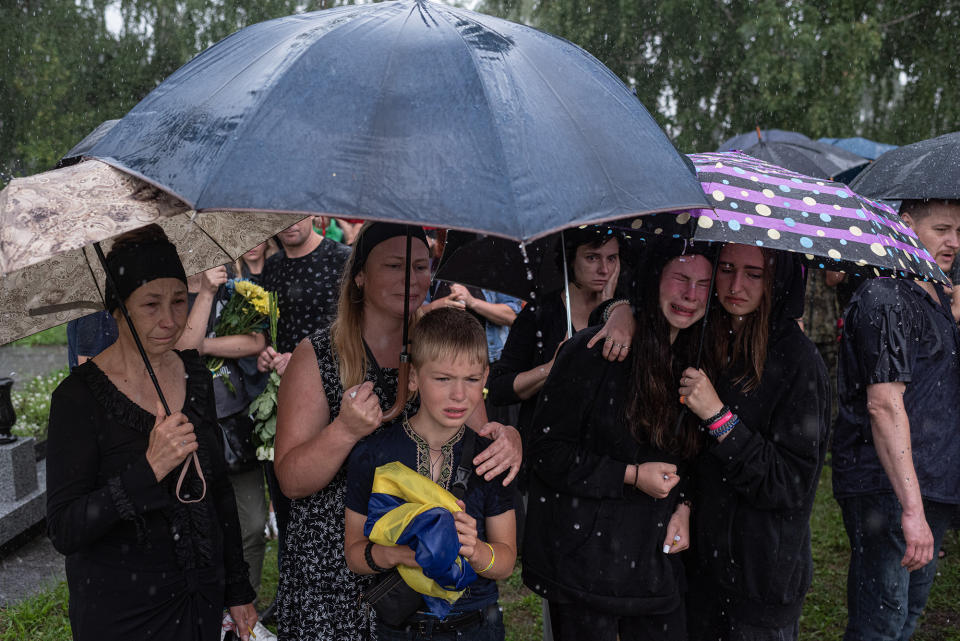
column 720, row 422
column 612, row 306
column 729, row 425
column 368, row 557
column 493, row 557
column 717, row 416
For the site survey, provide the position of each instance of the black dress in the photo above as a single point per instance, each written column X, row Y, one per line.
column 318, row 598
column 140, row 564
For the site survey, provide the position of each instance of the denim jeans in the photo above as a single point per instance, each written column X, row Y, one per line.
column 490, row 628
column 884, row 600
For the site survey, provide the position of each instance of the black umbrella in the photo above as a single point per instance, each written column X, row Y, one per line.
column 408, row 111
column 926, row 169
column 810, row 158
column 501, row 265
column 742, row 141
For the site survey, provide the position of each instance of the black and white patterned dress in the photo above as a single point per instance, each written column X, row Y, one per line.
column 318, row 596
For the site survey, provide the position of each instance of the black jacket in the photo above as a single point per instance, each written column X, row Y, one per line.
column 755, row 490
column 590, row 538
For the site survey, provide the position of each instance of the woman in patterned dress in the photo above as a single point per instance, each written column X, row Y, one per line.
column 353, row 363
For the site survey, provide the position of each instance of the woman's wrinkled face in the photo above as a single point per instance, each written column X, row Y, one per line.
column 684, row 286
column 381, row 278
column 594, row 266
column 741, row 282
column 158, row 310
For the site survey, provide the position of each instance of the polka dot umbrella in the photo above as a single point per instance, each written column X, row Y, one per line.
column 757, row 203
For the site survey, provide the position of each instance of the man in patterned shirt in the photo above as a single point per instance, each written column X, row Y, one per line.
column 306, row 276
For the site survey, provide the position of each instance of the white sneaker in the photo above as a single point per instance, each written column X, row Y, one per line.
column 261, row 633
column 271, row 527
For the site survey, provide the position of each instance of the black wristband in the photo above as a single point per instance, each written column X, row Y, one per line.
column 716, row 417
column 368, row 556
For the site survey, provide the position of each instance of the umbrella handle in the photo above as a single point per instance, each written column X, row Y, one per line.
column 403, row 377
column 183, row 475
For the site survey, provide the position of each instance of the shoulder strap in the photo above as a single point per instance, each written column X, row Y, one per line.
column 461, row 479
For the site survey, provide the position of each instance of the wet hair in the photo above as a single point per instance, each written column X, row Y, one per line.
column 448, row 333
column 654, row 411
column 346, row 331
column 743, row 351
column 592, row 236
column 920, row 208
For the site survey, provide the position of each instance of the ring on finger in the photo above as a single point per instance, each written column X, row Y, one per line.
column 183, row 443
column 353, row 394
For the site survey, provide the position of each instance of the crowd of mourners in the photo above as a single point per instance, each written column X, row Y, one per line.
column 653, row 474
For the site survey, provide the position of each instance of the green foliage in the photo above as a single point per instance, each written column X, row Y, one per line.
column 709, row 69
column 31, row 403
column 54, row 336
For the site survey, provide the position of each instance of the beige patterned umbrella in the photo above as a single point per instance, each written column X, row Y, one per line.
column 49, row 272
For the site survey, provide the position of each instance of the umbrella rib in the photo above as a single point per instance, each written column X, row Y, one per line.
column 264, row 94
column 93, row 275
column 610, row 182
column 486, row 96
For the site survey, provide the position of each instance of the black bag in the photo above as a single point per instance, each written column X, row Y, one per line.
column 239, row 452
column 391, row 598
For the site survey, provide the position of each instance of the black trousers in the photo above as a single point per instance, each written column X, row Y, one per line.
column 575, row 622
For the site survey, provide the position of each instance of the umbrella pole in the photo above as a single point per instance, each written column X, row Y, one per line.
column 404, row 371
column 566, row 285
column 152, row 374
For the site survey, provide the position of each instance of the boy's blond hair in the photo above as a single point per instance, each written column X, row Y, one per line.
column 448, row 332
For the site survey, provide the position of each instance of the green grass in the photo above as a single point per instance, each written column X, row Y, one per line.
column 44, row 616
column 31, row 403
column 53, row 336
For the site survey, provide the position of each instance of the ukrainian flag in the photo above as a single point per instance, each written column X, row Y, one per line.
column 409, row 509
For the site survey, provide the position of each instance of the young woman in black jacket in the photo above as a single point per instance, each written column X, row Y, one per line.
column 607, row 461
column 766, row 420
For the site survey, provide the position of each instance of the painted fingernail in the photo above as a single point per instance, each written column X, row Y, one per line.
column 666, row 549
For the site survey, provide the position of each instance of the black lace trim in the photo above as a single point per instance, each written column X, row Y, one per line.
column 125, row 507
column 190, row 525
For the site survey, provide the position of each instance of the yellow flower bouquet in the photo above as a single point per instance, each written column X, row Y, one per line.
column 247, row 311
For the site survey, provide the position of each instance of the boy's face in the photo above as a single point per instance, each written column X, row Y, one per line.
column 450, row 389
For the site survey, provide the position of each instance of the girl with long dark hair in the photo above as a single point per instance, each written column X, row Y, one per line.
column 766, row 421
column 608, row 451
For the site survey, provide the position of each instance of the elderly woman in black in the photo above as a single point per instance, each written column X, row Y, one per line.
column 141, row 562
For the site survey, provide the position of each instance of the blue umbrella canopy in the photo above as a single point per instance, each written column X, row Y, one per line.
column 406, row 111
column 869, row 149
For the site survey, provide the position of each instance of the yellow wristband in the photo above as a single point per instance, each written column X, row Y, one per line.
column 493, row 558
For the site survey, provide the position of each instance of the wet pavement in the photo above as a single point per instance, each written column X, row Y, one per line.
column 28, row 568
column 21, row 363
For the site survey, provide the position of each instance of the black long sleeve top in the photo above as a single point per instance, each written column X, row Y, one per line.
column 590, row 538
column 138, row 560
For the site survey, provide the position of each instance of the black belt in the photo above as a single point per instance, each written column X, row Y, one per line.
column 424, row 627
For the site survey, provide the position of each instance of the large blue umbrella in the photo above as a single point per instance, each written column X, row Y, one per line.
column 406, row 111
column 869, row 149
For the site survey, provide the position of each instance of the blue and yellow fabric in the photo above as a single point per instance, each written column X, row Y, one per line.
column 409, row 509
